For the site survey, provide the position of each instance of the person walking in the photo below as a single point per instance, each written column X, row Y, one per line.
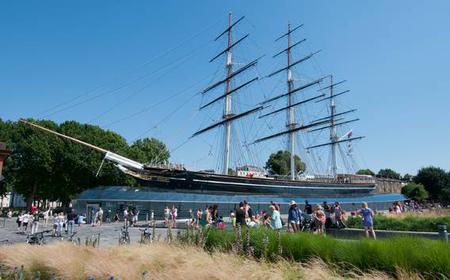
column 294, row 216
column 19, row 221
column 275, row 218
column 25, row 220
column 367, row 215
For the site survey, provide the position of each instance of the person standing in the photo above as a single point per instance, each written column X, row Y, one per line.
column 35, row 225
column 34, row 209
column 99, row 217
column 249, row 212
column 294, row 216
column 319, row 219
column 108, row 216
column 275, row 218
column 308, row 208
column 367, row 215
column 70, row 222
column 198, row 218
column 174, row 216
column 240, row 215
column 125, row 216
column 46, row 217
column 93, row 216
column 233, row 219
column 339, row 215
column 166, row 216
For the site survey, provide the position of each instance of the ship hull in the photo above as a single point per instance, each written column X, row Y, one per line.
column 205, row 183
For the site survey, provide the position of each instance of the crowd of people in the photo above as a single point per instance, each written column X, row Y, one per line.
column 313, row 218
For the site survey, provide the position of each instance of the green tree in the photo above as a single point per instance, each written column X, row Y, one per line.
column 435, row 180
column 415, row 191
column 407, row 177
column 279, row 163
column 46, row 167
column 149, row 150
column 31, row 165
column 77, row 165
column 388, row 173
column 365, row 172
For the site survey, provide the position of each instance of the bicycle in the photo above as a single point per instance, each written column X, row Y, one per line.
column 36, row 238
column 146, row 236
column 124, row 236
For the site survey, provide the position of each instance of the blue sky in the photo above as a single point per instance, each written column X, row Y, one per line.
column 136, row 68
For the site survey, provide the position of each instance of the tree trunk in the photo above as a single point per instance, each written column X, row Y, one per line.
column 32, row 196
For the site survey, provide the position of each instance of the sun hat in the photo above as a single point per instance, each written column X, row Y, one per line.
column 292, row 203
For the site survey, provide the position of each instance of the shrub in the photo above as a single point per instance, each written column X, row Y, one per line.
column 414, row 255
column 406, row 223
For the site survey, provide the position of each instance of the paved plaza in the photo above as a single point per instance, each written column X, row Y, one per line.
column 108, row 232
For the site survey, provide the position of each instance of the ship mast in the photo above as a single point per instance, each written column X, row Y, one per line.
column 292, row 127
column 228, row 115
column 227, row 111
column 334, row 122
column 291, row 112
column 333, row 136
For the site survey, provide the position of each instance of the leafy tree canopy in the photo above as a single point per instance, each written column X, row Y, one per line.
column 435, row 180
column 44, row 166
column 365, row 172
column 407, row 177
column 388, row 173
column 149, row 151
column 415, row 191
column 279, row 163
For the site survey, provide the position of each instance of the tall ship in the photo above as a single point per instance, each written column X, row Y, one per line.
column 249, row 179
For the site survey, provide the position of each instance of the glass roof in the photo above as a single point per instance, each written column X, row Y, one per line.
column 123, row 193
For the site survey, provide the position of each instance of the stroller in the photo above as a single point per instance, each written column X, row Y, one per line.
column 307, row 224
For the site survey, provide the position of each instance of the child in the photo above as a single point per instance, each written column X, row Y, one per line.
column 367, row 215
column 233, row 218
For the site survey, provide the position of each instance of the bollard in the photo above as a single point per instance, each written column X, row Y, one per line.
column 443, row 234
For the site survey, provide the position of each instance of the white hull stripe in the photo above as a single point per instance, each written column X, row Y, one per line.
column 281, row 186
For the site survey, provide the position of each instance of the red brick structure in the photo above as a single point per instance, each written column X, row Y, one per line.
column 4, row 153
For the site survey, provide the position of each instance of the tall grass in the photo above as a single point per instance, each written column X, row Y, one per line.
column 158, row 261
column 413, row 255
column 406, row 222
